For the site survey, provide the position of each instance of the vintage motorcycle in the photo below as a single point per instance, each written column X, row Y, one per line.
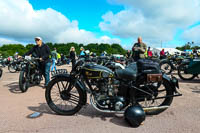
column 171, row 63
column 189, row 69
column 30, row 73
column 15, row 65
column 111, row 92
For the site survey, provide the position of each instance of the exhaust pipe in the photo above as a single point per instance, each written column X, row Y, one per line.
column 149, row 109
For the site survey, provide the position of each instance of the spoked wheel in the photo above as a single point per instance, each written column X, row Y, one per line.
column 166, row 67
column 12, row 68
column 182, row 73
column 64, row 98
column 153, row 105
column 23, row 81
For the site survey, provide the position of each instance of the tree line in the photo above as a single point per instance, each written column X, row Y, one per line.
column 63, row 48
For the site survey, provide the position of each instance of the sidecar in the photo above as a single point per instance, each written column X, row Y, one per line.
column 194, row 66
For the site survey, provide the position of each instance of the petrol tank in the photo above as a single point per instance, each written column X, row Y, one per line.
column 94, row 71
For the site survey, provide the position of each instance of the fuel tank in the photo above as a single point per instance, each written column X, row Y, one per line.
column 94, row 71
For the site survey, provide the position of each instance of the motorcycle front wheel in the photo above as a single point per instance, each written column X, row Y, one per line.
column 62, row 101
column 23, row 81
column 183, row 75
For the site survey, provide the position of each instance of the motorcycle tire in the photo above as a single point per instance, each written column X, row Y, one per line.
column 1, row 72
column 23, row 83
column 166, row 69
column 166, row 101
column 180, row 69
column 12, row 69
column 63, row 96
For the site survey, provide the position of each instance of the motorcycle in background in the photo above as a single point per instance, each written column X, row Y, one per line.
column 189, row 69
column 30, row 73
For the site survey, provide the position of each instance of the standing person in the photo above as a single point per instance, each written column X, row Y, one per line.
column 82, row 53
column 162, row 54
column 139, row 49
column 53, row 58
column 128, row 54
column 72, row 56
column 59, row 59
column 149, row 52
column 42, row 51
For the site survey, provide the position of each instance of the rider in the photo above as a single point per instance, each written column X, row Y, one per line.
column 42, row 51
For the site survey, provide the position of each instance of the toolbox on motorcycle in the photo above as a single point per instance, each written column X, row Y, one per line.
column 148, row 66
column 154, row 77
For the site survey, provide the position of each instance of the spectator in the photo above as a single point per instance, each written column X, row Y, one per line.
column 128, row 54
column 72, row 56
column 150, row 54
column 139, row 49
column 162, row 54
column 82, row 52
column 54, row 59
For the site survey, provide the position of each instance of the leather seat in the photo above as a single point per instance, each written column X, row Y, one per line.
column 129, row 73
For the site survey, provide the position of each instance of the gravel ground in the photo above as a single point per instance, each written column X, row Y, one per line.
column 183, row 116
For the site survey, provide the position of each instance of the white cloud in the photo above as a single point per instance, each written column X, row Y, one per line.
column 192, row 34
column 154, row 20
column 21, row 22
column 8, row 41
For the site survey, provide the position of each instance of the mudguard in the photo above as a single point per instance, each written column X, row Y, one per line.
column 172, row 81
column 78, row 84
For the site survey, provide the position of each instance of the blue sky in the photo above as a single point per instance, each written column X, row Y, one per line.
column 101, row 21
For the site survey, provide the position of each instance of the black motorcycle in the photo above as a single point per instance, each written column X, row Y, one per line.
column 111, row 92
column 171, row 63
column 30, row 74
column 15, row 65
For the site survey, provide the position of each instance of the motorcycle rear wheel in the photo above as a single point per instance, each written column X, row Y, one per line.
column 182, row 74
column 71, row 99
column 166, row 67
column 23, row 81
column 167, row 89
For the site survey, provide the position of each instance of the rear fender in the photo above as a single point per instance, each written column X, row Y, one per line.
column 172, row 81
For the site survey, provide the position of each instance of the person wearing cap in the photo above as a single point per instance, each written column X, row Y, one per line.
column 42, row 51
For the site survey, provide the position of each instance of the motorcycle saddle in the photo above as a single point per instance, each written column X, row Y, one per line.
column 129, row 73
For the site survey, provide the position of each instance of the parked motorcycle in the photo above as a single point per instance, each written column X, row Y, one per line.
column 111, row 92
column 30, row 74
column 171, row 63
column 15, row 65
column 189, row 69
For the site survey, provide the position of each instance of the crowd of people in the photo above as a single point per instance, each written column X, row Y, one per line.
column 48, row 59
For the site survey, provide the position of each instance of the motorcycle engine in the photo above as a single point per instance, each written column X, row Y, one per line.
column 106, row 95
